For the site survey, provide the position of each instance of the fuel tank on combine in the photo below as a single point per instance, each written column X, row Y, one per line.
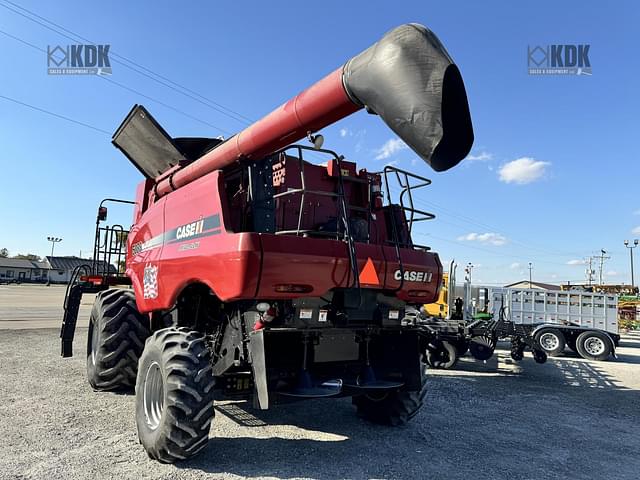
column 185, row 228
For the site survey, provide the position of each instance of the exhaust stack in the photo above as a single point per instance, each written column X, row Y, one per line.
column 407, row 78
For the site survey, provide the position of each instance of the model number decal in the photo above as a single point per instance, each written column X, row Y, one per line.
column 413, row 276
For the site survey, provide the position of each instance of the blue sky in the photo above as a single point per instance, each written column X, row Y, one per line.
column 555, row 173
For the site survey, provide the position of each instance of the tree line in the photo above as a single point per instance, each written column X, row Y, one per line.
column 4, row 253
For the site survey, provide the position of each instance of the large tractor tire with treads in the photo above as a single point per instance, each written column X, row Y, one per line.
column 392, row 408
column 117, row 332
column 174, row 394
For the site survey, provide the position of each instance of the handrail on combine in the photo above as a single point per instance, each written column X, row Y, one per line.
column 403, row 179
column 342, row 214
column 111, row 249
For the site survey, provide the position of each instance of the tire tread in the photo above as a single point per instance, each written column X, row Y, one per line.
column 189, row 409
column 123, row 331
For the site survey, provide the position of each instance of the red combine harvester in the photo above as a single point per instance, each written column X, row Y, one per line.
column 258, row 274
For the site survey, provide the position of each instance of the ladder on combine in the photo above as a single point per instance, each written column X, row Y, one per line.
column 105, row 269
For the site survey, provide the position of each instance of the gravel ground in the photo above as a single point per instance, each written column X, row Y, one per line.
column 566, row 419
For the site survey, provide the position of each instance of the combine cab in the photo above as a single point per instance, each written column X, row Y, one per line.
column 256, row 273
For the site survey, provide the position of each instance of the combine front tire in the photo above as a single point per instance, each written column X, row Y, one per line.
column 392, row 408
column 117, row 332
column 174, row 395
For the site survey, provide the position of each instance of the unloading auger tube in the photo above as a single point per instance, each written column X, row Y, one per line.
column 407, row 78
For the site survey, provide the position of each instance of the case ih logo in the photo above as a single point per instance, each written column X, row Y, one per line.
column 190, row 229
column 413, row 276
column 558, row 60
column 78, row 60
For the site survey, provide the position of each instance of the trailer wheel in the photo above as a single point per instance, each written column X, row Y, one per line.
column 551, row 340
column 593, row 345
column 444, row 355
column 392, row 408
column 174, row 394
column 117, row 332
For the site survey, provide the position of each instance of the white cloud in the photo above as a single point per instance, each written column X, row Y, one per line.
column 344, row 132
column 515, row 265
column 489, row 238
column 482, row 156
column 636, row 231
column 390, row 147
column 612, row 273
column 576, row 262
column 522, row 170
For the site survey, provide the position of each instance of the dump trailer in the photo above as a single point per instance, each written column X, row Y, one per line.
column 252, row 272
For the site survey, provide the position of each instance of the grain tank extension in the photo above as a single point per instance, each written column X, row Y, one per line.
column 259, row 274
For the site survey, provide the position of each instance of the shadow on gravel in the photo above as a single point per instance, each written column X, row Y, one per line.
column 482, row 421
column 339, row 437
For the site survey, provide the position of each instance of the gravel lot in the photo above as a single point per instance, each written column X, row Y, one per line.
column 566, row 419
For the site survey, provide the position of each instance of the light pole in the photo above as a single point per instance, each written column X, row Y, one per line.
column 631, row 247
column 53, row 241
column 530, row 268
column 469, row 268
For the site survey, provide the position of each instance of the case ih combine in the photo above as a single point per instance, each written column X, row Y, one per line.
column 258, row 274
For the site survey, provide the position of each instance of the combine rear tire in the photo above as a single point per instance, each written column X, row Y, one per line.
column 174, row 395
column 117, row 332
column 392, row 408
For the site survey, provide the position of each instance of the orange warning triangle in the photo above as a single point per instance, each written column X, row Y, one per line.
column 368, row 274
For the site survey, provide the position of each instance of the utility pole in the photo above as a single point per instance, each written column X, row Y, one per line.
column 602, row 258
column 468, row 271
column 530, row 268
column 590, row 271
column 635, row 244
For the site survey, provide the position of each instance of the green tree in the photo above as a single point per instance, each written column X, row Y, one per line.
column 4, row 253
column 29, row 256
